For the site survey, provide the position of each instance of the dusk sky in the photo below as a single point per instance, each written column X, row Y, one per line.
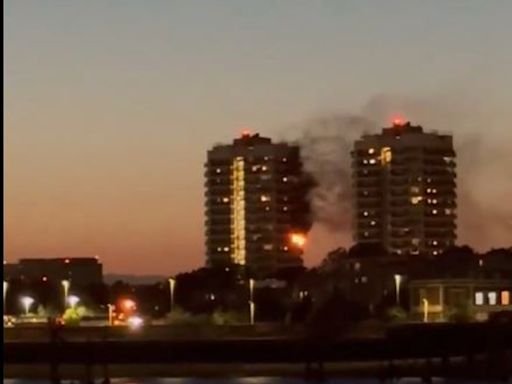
column 110, row 107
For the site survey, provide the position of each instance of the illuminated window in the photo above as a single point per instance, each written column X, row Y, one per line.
column 434, row 242
column 492, row 297
column 226, row 249
column 479, row 298
column 365, row 213
column 365, row 161
column 434, row 201
column 373, row 222
column 218, row 170
column 373, row 161
column 219, row 249
column 285, row 179
column 434, row 190
column 416, row 199
column 267, row 208
column 385, row 155
column 264, row 168
column 434, row 211
column 371, row 151
column 268, row 247
column 366, row 234
column 225, row 199
column 505, row 298
column 480, row 262
column 255, row 168
column 264, row 198
column 415, row 189
column 448, row 211
column 415, row 241
column 285, row 208
column 365, row 193
column 285, row 248
column 435, row 253
column 284, row 160
column 429, row 190
column 364, row 279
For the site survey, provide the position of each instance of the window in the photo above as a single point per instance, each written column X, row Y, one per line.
column 225, row 199
column 365, row 213
column 264, row 168
column 285, row 208
column 434, row 211
column 373, row 161
column 373, row 222
column 284, row 160
column 364, row 279
column 371, row 151
column 479, row 298
column 264, row 198
column 268, row 247
column 492, row 297
column 218, row 170
column 226, row 249
column 415, row 189
column 385, row 155
column 505, row 298
column 416, row 199
column 285, row 179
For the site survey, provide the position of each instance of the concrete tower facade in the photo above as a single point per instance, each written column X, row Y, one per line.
column 257, row 211
column 405, row 190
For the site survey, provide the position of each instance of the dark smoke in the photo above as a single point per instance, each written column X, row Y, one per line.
column 483, row 165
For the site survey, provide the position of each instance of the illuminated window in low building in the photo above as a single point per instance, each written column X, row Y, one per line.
column 218, row 170
column 285, row 208
column 434, row 242
column 364, row 279
column 415, row 241
column 226, row 249
column 492, row 297
column 479, row 298
column 448, row 211
column 268, row 247
column 365, row 161
column 285, row 179
column 366, row 234
column 264, row 168
column 285, row 248
column 371, row 151
column 373, row 222
column 373, row 161
column 225, row 199
column 505, row 298
column 434, row 211
column 385, row 155
column 284, row 160
column 434, row 201
column 365, row 213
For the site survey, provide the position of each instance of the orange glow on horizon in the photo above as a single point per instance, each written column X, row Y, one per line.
column 398, row 120
column 246, row 132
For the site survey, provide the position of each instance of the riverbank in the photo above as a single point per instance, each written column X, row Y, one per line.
column 458, row 368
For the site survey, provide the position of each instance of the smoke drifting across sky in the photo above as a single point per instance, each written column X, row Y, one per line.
column 484, row 178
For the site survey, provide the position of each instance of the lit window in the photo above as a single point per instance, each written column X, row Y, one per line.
column 385, row 156
column 480, row 262
column 284, row 160
column 371, row 151
column 479, row 298
column 255, row 168
column 226, row 249
column 264, row 168
column 364, row 279
column 285, row 179
column 373, row 222
column 434, row 190
column 225, row 199
column 365, row 193
column 373, row 161
column 365, row 161
column 268, row 247
column 285, row 208
column 448, row 211
column 434, row 201
column 285, row 248
column 365, row 213
column 429, row 190
column 415, row 189
column 218, row 170
column 492, row 297
column 415, row 241
column 505, row 298
column 434, row 242
column 267, row 208
column 434, row 211
column 366, row 234
column 435, row 253
column 219, row 249
column 264, row 198
column 416, row 199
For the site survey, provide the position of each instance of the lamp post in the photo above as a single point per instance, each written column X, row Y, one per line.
column 172, row 283
column 425, row 310
column 73, row 301
column 27, row 301
column 110, row 314
column 252, row 307
column 65, row 286
column 398, row 282
column 6, row 286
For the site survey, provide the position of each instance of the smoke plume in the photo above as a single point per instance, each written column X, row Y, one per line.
column 483, row 161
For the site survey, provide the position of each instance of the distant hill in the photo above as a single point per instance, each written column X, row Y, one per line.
column 134, row 279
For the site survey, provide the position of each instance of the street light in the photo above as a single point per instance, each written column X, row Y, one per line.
column 65, row 285
column 425, row 310
column 172, row 283
column 398, row 281
column 27, row 301
column 73, row 301
column 252, row 307
column 6, row 285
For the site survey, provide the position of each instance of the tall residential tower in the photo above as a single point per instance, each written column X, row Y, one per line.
column 404, row 181
column 257, row 212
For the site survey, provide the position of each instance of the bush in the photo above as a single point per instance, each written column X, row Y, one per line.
column 396, row 314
